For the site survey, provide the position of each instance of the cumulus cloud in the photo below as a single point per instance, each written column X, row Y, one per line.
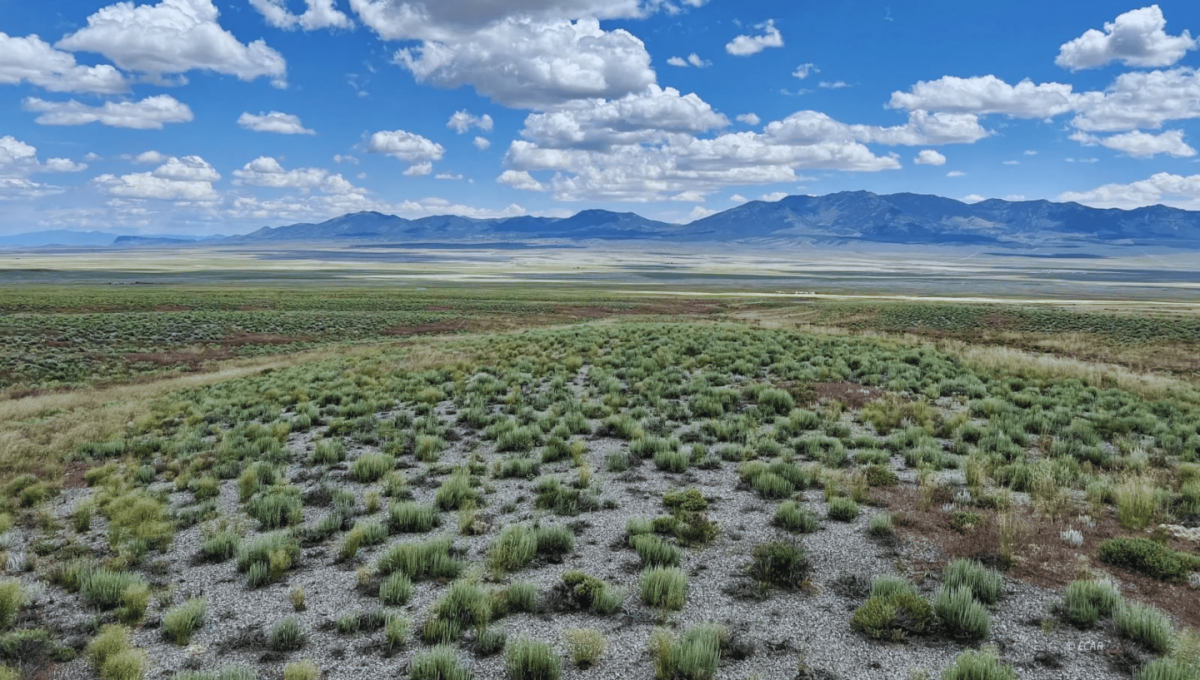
column 63, row 165
column 746, row 45
column 773, row 196
column 265, row 171
column 280, row 123
column 319, row 14
column 173, row 37
column 1136, row 38
column 803, row 71
column 749, row 119
column 956, row 173
column 151, row 157
column 464, row 120
column 988, row 95
column 150, row 113
column 693, row 59
column 1141, row 100
column 482, row 143
column 520, row 179
column 1141, row 144
column 1162, row 188
column 187, row 179
column 929, row 157
column 416, row 150
column 833, row 85
column 523, row 64
column 16, row 156
column 34, row 61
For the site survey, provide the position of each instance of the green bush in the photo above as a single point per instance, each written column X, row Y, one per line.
column 514, row 549
column 690, row 500
column 979, row 665
column 287, row 636
column 134, row 601
column 1146, row 625
column 491, row 640
column 696, row 655
column 126, row 665
column 961, row 614
column 653, row 552
column 371, row 467
column 396, row 590
column 664, row 587
column 585, row 646
column 466, row 604
column 408, row 517
column 1087, row 601
column 428, row 560
column 880, row 475
column 397, row 631
column 1168, row 669
column 1147, row 557
column 220, row 545
column 104, row 588
column 267, row 557
column 12, row 598
column 301, row 670
column 843, row 509
column 672, row 461
column 439, row 663
column 780, row 564
column 185, row 619
column 329, row 452
column 521, row 597
column 985, row 585
column 795, row 518
column 893, row 610
column 226, row 673
column 456, row 491
column 276, row 507
column 528, row 659
column 554, row 542
column 881, row 525
column 772, row 486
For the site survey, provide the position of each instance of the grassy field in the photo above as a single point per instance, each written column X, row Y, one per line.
column 536, row 482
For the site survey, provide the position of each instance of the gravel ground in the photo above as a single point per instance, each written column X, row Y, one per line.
column 808, row 627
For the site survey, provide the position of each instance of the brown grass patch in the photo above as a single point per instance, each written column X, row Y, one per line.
column 851, row 394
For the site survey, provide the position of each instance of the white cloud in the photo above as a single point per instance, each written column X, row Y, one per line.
column 699, row 212
column 523, row 64
column 695, row 60
column 922, row 128
column 773, row 196
column 803, row 71
column 749, row 119
column 482, row 143
column 746, row 45
column 1083, row 160
column 92, row 157
column 20, row 188
column 150, row 113
column 1141, row 144
column 1031, row 152
column 519, row 179
column 63, row 165
column 1012, row 162
column 988, row 95
column 319, row 14
column 32, row 60
column 418, row 151
column 187, row 179
column 448, row 176
column 344, row 158
column 173, row 37
column 265, row 171
column 149, row 158
column 280, row 123
column 16, row 157
column 834, row 85
column 679, row 62
column 419, row 169
column 955, row 173
column 1142, row 100
column 1162, row 188
column 464, row 120
column 738, row 198
column 973, row 198
column 1137, row 38
column 929, row 157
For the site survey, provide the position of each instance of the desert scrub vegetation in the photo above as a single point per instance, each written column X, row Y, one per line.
column 694, row 655
column 894, row 610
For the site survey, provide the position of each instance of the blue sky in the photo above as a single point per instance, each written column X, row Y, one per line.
column 221, row 116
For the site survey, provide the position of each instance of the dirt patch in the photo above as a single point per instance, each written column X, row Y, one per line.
column 1042, row 558
column 851, row 394
column 192, row 360
column 73, row 477
column 431, row 328
column 242, row 338
column 172, row 308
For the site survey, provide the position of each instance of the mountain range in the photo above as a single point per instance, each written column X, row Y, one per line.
column 836, row 219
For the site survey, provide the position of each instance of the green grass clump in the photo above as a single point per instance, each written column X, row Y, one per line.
column 329, row 452
column 1167, row 668
column 371, row 467
column 664, row 587
column 419, row 561
column 843, row 509
column 514, row 549
column 772, row 486
column 104, row 588
column 961, row 614
column 527, row 659
column 1088, row 600
column 881, row 525
column 220, row 545
column 491, row 640
column 466, row 604
column 554, row 542
column 268, row 557
column 226, row 673
column 689, row 500
column 583, row 592
column 12, row 598
column 302, row 670
column 439, row 663
column 456, row 491
column 287, row 636
column 653, row 552
column 985, row 585
column 409, row 517
column 276, row 508
column 140, row 520
column 880, row 475
column 695, row 655
column 134, row 601
column 396, row 590
column 979, row 665
column 1147, row 557
column 1146, row 625
column 893, row 610
column 396, row 631
column 796, row 519
column 585, row 646
column 521, row 597
column 113, row 656
column 187, row 618
column 672, row 461
column 781, row 564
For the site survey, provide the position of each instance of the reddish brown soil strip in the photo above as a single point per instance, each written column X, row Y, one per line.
column 73, row 478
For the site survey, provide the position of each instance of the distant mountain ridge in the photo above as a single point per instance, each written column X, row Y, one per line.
column 837, row 219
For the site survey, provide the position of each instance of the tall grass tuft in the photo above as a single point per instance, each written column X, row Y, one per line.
column 664, row 587
column 185, row 619
column 985, row 585
column 527, row 659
